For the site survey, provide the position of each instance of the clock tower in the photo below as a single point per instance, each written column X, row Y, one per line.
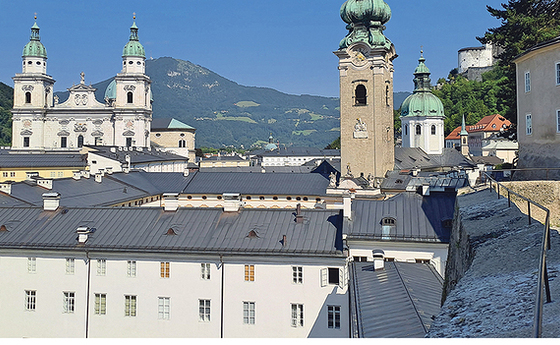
column 366, row 90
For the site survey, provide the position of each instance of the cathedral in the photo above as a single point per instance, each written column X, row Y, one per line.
column 42, row 123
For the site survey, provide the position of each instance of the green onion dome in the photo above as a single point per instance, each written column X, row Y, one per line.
column 422, row 102
column 366, row 20
column 133, row 48
column 35, row 48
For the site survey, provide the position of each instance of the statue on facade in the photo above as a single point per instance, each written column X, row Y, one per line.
column 332, row 183
column 360, row 129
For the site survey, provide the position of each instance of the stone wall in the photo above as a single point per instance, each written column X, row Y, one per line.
column 545, row 193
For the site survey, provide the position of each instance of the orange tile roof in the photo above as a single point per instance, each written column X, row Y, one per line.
column 490, row 123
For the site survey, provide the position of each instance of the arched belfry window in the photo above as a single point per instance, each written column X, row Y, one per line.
column 130, row 97
column 28, row 97
column 182, row 143
column 361, row 95
column 418, row 130
column 433, row 130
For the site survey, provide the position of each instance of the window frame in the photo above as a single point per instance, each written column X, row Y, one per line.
column 434, row 130
column 68, row 302
column 249, row 313
column 558, row 120
column 101, row 267
column 205, row 271
column 528, row 124
column 557, row 74
column 26, row 141
column 297, row 275
column 249, row 273
column 418, row 129
column 164, row 308
column 527, row 81
column 70, row 266
column 100, row 304
column 30, row 301
column 297, row 315
column 31, row 265
column 165, row 269
column 63, row 142
column 360, row 95
column 204, row 310
column 333, row 317
column 130, row 305
column 131, row 268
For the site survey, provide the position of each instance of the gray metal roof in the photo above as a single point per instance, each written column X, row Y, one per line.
column 257, row 183
column 136, row 157
column 298, row 151
column 12, row 159
column 410, row 158
column 154, row 183
column 417, row 218
column 196, row 230
column 396, row 302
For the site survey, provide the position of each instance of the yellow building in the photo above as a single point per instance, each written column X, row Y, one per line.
column 19, row 166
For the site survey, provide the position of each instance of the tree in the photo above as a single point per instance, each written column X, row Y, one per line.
column 524, row 24
column 335, row 145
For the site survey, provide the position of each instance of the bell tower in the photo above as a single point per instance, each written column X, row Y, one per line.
column 366, row 89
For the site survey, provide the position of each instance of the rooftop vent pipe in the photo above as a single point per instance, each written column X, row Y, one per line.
column 232, row 202
column 77, row 175
column 99, row 178
column 83, row 233
column 378, row 259
column 51, row 201
column 299, row 216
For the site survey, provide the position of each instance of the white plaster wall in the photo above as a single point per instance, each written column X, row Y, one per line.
column 475, row 58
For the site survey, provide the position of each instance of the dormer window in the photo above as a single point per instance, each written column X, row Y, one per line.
column 448, row 223
column 388, row 221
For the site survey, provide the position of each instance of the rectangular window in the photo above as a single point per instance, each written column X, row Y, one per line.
column 25, row 141
column 131, row 268
column 249, row 273
column 205, row 271
column 297, row 274
column 164, row 307
column 558, row 73
column 249, row 313
column 69, row 266
column 100, row 307
column 557, row 121
column 164, row 269
column 529, row 124
column 12, row 174
column 527, row 81
column 101, row 267
column 297, row 315
column 30, row 299
column 61, row 174
column 333, row 316
column 63, row 142
column 204, row 310
column 5, row 174
column 53, row 173
column 31, row 265
column 68, row 302
column 129, row 306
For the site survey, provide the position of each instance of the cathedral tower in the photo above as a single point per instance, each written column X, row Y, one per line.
column 366, row 90
column 422, row 115
column 33, row 94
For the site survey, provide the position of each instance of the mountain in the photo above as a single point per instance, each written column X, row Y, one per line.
column 6, row 102
column 226, row 113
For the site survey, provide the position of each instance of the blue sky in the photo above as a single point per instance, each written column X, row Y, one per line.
column 286, row 45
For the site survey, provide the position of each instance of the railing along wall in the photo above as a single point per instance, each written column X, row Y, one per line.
column 543, row 287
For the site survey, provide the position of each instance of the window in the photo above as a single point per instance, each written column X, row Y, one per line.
column 447, row 223
column 68, row 302
column 80, row 140
column 558, row 73
column 557, row 121
column 205, row 271
column 28, row 97
column 334, row 276
column 128, row 142
column 131, row 268
column 361, row 95
column 129, row 306
column 433, row 130
column 60, row 174
column 5, row 174
column 388, row 221
column 101, row 267
column 529, row 124
column 405, row 129
column 25, row 141
column 297, row 274
column 12, row 174
column 164, row 269
column 249, row 313
column 527, row 81
column 204, row 310
column 130, row 97
column 69, row 266
column 331, row 276
column 100, row 307
column 418, row 130
column 249, row 273
column 30, row 300
column 297, row 315
column 333, row 316
column 182, row 143
column 164, row 307
column 63, row 142
column 31, row 265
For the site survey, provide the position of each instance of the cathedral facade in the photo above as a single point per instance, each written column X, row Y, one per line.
column 42, row 123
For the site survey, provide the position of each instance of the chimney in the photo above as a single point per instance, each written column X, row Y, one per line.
column 77, row 175
column 170, row 202
column 6, row 188
column 299, row 216
column 45, row 183
column 99, row 178
column 378, row 259
column 232, row 202
column 284, row 241
column 86, row 174
column 186, row 171
column 109, row 170
column 347, row 204
column 51, row 201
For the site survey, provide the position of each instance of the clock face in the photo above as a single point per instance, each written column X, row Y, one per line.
column 359, row 56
